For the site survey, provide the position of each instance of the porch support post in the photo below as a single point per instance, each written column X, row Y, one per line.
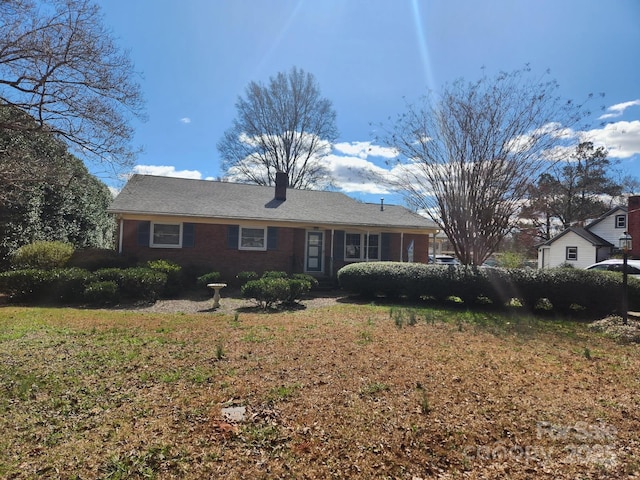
column 120, row 236
column 331, row 259
column 401, row 246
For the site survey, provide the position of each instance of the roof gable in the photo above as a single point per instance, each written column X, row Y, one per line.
column 154, row 195
column 590, row 237
column 613, row 211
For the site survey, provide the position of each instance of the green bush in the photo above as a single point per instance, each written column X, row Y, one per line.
column 96, row 258
column 102, row 293
column 313, row 281
column 597, row 293
column 43, row 255
column 244, row 277
column 141, row 283
column 173, row 273
column 59, row 284
column 274, row 274
column 137, row 283
column 274, row 289
column 267, row 291
column 207, row 278
column 25, row 285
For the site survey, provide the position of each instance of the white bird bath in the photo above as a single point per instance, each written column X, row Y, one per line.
column 216, row 296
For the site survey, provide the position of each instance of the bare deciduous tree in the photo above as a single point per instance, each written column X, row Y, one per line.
column 59, row 65
column 574, row 190
column 469, row 154
column 284, row 126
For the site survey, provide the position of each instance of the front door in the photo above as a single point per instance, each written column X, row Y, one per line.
column 313, row 262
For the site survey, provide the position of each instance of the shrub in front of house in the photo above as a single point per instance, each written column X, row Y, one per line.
column 42, row 254
column 244, row 277
column 595, row 293
column 102, row 293
column 272, row 289
column 141, row 283
column 69, row 284
column 93, row 259
column 203, row 280
column 173, row 271
column 56, row 285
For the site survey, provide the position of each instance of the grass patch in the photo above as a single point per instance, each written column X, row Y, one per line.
column 343, row 391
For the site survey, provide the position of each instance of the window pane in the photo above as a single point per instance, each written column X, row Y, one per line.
column 165, row 234
column 572, row 253
column 372, row 245
column 252, row 238
column 352, row 245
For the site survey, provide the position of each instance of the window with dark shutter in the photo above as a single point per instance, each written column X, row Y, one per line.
column 272, row 238
column 232, row 236
column 144, row 229
column 188, row 234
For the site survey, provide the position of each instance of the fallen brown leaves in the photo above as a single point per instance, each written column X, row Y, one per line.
column 333, row 392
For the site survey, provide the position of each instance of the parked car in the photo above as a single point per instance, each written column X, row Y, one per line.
column 443, row 260
column 616, row 265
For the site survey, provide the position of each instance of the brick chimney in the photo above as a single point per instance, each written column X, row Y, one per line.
column 633, row 224
column 282, row 183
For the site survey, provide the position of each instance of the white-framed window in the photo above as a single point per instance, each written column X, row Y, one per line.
column 572, row 253
column 253, row 238
column 166, row 235
column 621, row 221
column 360, row 246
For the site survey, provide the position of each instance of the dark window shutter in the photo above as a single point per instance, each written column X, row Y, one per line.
column 233, row 231
column 338, row 247
column 144, row 230
column 188, row 234
column 385, row 248
column 272, row 238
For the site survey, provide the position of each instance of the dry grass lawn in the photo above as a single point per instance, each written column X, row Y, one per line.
column 339, row 391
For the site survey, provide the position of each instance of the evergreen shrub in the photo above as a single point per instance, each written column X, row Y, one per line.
column 43, row 255
column 595, row 293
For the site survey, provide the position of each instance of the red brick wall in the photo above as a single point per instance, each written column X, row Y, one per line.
column 633, row 224
column 210, row 252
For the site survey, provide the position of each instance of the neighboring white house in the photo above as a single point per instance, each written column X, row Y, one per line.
column 583, row 246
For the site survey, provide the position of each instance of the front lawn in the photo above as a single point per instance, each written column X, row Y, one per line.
column 344, row 391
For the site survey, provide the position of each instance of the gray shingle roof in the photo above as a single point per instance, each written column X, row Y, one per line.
column 153, row 195
column 590, row 237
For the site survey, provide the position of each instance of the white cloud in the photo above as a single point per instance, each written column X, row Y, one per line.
column 355, row 174
column 166, row 171
column 621, row 139
column 185, row 120
column 618, row 109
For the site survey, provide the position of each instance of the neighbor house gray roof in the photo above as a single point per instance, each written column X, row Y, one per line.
column 153, row 195
column 592, row 238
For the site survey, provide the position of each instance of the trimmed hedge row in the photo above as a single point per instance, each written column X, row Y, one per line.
column 78, row 286
column 567, row 290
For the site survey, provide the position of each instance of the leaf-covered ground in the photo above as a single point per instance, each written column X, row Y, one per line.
column 342, row 391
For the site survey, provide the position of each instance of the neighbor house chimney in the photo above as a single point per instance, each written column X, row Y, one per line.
column 282, row 182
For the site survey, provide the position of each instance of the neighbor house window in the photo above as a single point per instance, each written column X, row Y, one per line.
column 252, row 238
column 360, row 246
column 572, row 253
column 621, row 221
column 166, row 235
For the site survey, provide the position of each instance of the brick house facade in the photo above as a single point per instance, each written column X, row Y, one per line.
column 230, row 228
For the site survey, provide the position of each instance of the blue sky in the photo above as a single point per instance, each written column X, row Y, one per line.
column 196, row 57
